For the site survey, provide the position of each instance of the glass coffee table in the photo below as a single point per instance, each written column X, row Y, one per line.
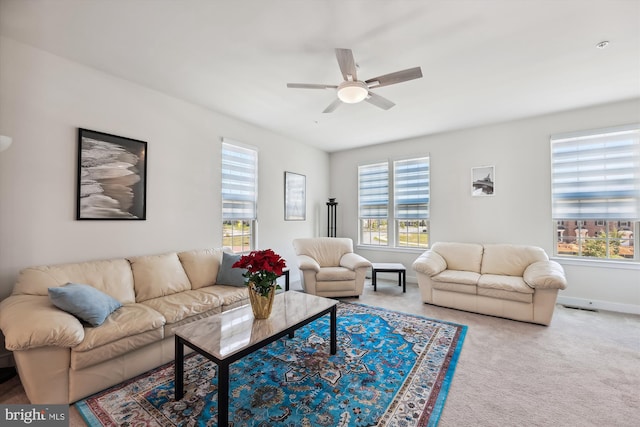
column 229, row 336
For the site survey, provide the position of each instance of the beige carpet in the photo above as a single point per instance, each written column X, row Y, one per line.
column 582, row 370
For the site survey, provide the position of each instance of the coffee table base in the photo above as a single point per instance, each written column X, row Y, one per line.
column 223, row 364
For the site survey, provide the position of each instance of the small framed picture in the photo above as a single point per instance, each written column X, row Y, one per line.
column 112, row 177
column 483, row 180
column 295, row 199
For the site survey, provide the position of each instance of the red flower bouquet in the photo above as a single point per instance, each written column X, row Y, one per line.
column 263, row 268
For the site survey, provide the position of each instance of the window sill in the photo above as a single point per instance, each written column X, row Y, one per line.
column 390, row 249
column 599, row 263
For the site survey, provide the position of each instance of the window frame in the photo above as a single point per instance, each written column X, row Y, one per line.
column 392, row 219
column 584, row 183
column 398, row 176
column 377, row 202
column 250, row 220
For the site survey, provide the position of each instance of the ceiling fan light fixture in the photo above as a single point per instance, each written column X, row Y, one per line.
column 351, row 92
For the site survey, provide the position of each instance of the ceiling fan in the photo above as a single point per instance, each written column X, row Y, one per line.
column 352, row 90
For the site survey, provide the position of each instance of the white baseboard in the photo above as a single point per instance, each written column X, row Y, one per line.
column 599, row 305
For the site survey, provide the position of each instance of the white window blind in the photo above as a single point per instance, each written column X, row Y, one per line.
column 596, row 174
column 411, row 188
column 374, row 191
column 239, row 182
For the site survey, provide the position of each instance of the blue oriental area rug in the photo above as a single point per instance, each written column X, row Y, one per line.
column 391, row 369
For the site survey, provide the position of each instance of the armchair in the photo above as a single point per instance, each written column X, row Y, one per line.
column 329, row 267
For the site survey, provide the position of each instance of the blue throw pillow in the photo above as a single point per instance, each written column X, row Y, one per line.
column 228, row 275
column 85, row 302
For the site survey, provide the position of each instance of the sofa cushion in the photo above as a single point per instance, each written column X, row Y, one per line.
column 511, row 260
column 129, row 320
column 455, row 276
column 455, row 287
column 505, row 283
column 328, row 274
column 131, row 327
column 158, row 275
column 181, row 305
column 121, row 347
column 228, row 295
column 460, row 256
column 201, row 266
column 170, row 328
column 507, row 295
column 227, row 275
column 113, row 277
column 84, row 302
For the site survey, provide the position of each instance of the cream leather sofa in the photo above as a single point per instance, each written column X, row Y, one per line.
column 61, row 360
column 513, row 281
column 329, row 266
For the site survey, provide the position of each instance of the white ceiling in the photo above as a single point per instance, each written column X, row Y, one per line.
column 483, row 61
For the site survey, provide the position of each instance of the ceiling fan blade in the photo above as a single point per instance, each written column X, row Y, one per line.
column 347, row 64
column 393, row 78
column 335, row 104
column 310, row 86
column 379, row 101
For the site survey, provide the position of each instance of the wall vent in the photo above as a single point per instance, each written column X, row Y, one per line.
column 573, row 307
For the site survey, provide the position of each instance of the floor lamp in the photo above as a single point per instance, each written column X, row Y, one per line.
column 332, row 207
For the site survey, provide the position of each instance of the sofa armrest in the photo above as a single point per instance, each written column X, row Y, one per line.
column 430, row 263
column 545, row 275
column 354, row 261
column 305, row 262
column 30, row 321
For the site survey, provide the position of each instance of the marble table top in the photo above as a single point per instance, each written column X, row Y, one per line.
column 229, row 332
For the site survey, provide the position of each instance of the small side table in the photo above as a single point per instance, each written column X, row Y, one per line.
column 389, row 267
column 285, row 273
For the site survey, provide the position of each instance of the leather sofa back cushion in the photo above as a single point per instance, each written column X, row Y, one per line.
column 510, row 260
column 460, row 256
column 327, row 251
column 201, row 266
column 158, row 275
column 113, row 277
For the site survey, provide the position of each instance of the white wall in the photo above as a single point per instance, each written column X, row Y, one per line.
column 520, row 210
column 44, row 99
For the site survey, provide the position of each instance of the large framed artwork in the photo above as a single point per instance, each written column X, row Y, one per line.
column 295, row 198
column 112, row 177
column 483, row 181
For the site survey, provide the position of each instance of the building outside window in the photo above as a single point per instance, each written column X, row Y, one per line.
column 403, row 184
column 596, row 193
column 239, row 196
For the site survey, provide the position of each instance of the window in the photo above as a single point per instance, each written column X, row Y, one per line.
column 409, row 179
column 374, row 203
column 411, row 197
column 239, row 196
column 596, row 192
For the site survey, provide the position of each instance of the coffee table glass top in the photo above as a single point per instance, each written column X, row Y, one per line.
column 229, row 332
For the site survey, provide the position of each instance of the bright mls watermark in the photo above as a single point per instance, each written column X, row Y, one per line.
column 37, row 415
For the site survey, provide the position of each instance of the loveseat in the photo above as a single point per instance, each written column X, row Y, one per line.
column 61, row 359
column 513, row 281
column 329, row 267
